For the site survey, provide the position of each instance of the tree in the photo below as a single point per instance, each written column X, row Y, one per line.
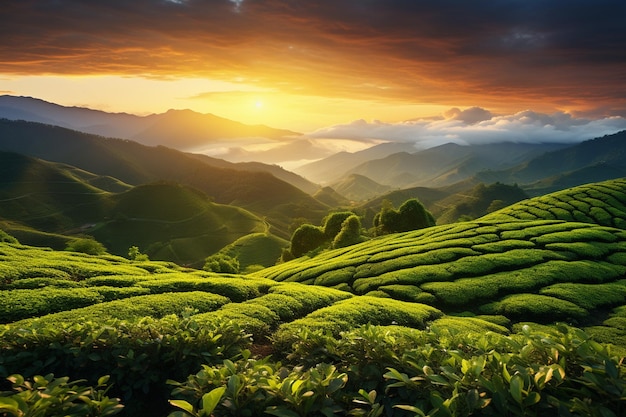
column 350, row 233
column 89, row 246
column 221, row 263
column 306, row 238
column 135, row 255
column 333, row 223
column 412, row 215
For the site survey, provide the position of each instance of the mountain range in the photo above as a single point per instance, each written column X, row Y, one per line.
column 59, row 182
column 179, row 129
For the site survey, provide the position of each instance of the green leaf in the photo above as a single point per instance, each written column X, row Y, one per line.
column 281, row 412
column 211, row 399
column 516, row 388
column 9, row 405
column 184, row 405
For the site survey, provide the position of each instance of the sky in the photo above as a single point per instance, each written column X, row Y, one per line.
column 376, row 69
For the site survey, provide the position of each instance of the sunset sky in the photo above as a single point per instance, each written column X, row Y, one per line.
column 309, row 65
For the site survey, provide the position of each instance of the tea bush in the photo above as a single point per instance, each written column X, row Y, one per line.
column 132, row 308
column 139, row 356
column 50, row 396
column 535, row 307
column 374, row 371
column 20, row 304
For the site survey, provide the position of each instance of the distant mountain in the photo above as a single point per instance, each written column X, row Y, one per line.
column 590, row 161
column 136, row 164
column 449, row 163
column 277, row 171
column 331, row 197
column 334, row 167
column 359, row 188
column 179, row 129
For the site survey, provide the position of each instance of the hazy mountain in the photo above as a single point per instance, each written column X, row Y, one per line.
column 179, row 129
column 359, row 188
column 449, row 163
column 277, row 171
column 331, row 197
column 135, row 164
column 590, row 161
column 335, row 166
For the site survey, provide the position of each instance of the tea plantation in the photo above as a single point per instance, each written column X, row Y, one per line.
column 520, row 313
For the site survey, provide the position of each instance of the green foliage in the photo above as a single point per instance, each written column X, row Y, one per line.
column 20, row 304
column 376, row 370
column 306, row 238
column 140, row 355
column 135, row 255
column 221, row 263
column 49, row 396
column 86, row 245
column 411, row 215
column 7, row 238
column 535, row 307
column 133, row 308
column 333, row 223
column 350, row 233
column 237, row 289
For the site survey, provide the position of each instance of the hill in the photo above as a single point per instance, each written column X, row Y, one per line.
column 527, row 270
column 447, row 164
column 359, row 188
column 593, row 160
column 49, row 203
column 425, row 317
column 135, row 164
column 334, row 167
column 179, row 129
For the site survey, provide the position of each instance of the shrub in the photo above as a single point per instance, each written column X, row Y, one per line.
column 540, row 308
column 222, row 264
column 48, row 396
column 306, row 238
column 86, row 245
column 20, row 304
column 350, row 233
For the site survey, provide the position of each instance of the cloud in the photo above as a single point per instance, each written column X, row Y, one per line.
column 520, row 52
column 477, row 126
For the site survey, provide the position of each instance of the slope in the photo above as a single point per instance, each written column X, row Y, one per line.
column 596, row 160
column 535, row 270
column 179, row 129
column 448, row 164
column 135, row 164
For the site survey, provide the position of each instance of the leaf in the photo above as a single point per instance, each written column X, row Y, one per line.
column 184, row 405
column 516, row 388
column 211, row 399
column 281, row 412
column 9, row 405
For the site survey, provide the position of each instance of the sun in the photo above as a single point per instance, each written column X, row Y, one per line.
column 258, row 104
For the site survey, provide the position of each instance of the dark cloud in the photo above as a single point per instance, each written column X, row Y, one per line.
column 441, row 52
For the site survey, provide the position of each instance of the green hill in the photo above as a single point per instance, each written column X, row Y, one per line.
column 45, row 203
column 473, row 317
column 137, row 164
column 601, row 203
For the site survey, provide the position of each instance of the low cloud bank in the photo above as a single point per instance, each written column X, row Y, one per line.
column 476, row 126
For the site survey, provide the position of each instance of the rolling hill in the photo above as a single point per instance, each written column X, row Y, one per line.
column 593, row 160
column 50, row 203
column 135, row 164
column 447, row 164
column 432, row 315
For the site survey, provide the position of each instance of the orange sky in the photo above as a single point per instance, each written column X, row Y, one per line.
column 307, row 64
